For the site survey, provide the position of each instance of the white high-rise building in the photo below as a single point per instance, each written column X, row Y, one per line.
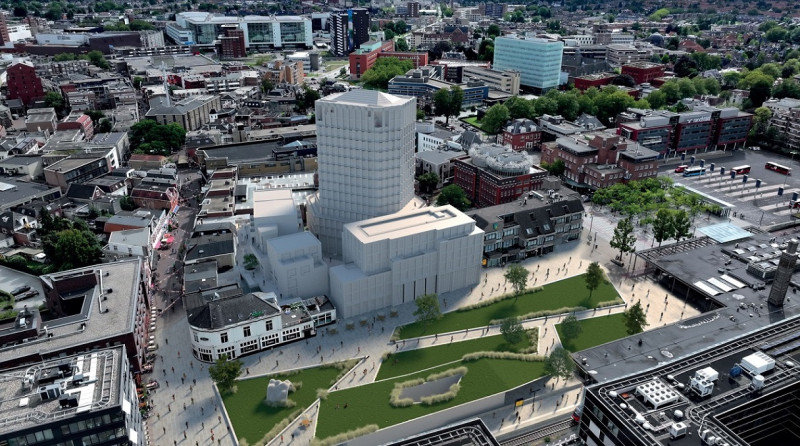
column 365, row 143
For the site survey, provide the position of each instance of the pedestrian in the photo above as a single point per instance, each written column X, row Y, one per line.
column 173, row 369
column 167, row 341
column 167, row 382
column 219, row 418
column 203, row 423
column 184, row 406
column 173, row 397
column 164, row 371
column 192, row 400
column 191, row 364
column 187, row 424
column 182, row 380
column 194, row 381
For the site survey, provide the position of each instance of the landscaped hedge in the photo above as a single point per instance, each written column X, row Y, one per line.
column 344, row 436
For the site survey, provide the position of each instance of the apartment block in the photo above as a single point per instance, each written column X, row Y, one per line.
column 528, row 228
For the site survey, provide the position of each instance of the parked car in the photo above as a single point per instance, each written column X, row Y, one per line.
column 20, row 289
column 27, row 295
column 681, row 168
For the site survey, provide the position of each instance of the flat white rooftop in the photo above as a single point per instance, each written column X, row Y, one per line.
column 408, row 222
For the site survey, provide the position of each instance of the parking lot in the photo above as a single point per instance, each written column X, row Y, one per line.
column 12, row 280
column 759, row 205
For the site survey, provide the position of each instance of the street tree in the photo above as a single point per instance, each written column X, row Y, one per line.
column 681, row 225
column 427, row 309
column 623, row 238
column 571, row 327
column 494, row 118
column 454, row 196
column 559, row 364
column 428, row 181
column 400, row 44
column 225, row 372
column 593, row 277
column 512, row 330
column 635, row 319
column 517, row 276
column 662, row 225
column 448, row 101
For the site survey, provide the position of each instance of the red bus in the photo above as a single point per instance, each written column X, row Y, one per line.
column 741, row 169
column 778, row 168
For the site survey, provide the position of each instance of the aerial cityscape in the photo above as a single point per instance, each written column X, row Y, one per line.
column 399, row 223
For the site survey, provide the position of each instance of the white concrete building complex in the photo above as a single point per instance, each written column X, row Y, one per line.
column 296, row 265
column 366, row 161
column 393, row 259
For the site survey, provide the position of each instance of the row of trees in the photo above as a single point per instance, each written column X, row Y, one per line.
column 94, row 57
column 384, row 69
column 149, row 137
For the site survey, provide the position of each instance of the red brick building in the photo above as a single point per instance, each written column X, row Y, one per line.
column 155, row 193
column 643, row 72
column 522, row 134
column 494, row 174
column 23, row 83
column 598, row 80
column 78, row 121
column 363, row 59
column 602, row 161
column 231, row 43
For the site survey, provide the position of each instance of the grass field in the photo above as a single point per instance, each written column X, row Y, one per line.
column 369, row 404
column 473, row 121
column 596, row 331
column 420, row 359
column 567, row 293
column 252, row 418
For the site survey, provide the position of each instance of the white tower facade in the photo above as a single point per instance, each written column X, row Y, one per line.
column 365, row 149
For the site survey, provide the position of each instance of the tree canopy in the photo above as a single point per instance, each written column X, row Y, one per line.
column 149, row 137
column 559, row 363
column 635, row 319
column 517, row 276
column 454, row 196
column 495, row 117
column 571, row 327
column 224, row 372
column 427, row 309
column 448, row 101
column 593, row 277
column 623, row 238
column 68, row 243
column 512, row 330
column 384, row 69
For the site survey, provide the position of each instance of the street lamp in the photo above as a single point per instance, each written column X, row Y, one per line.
column 533, row 405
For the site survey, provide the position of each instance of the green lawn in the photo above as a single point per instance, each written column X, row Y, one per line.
column 596, row 331
column 369, row 404
column 252, row 419
column 420, row 359
column 567, row 293
column 473, row 121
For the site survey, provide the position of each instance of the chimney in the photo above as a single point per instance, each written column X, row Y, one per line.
column 788, row 259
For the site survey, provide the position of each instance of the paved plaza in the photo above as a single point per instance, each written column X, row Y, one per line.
column 188, row 411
